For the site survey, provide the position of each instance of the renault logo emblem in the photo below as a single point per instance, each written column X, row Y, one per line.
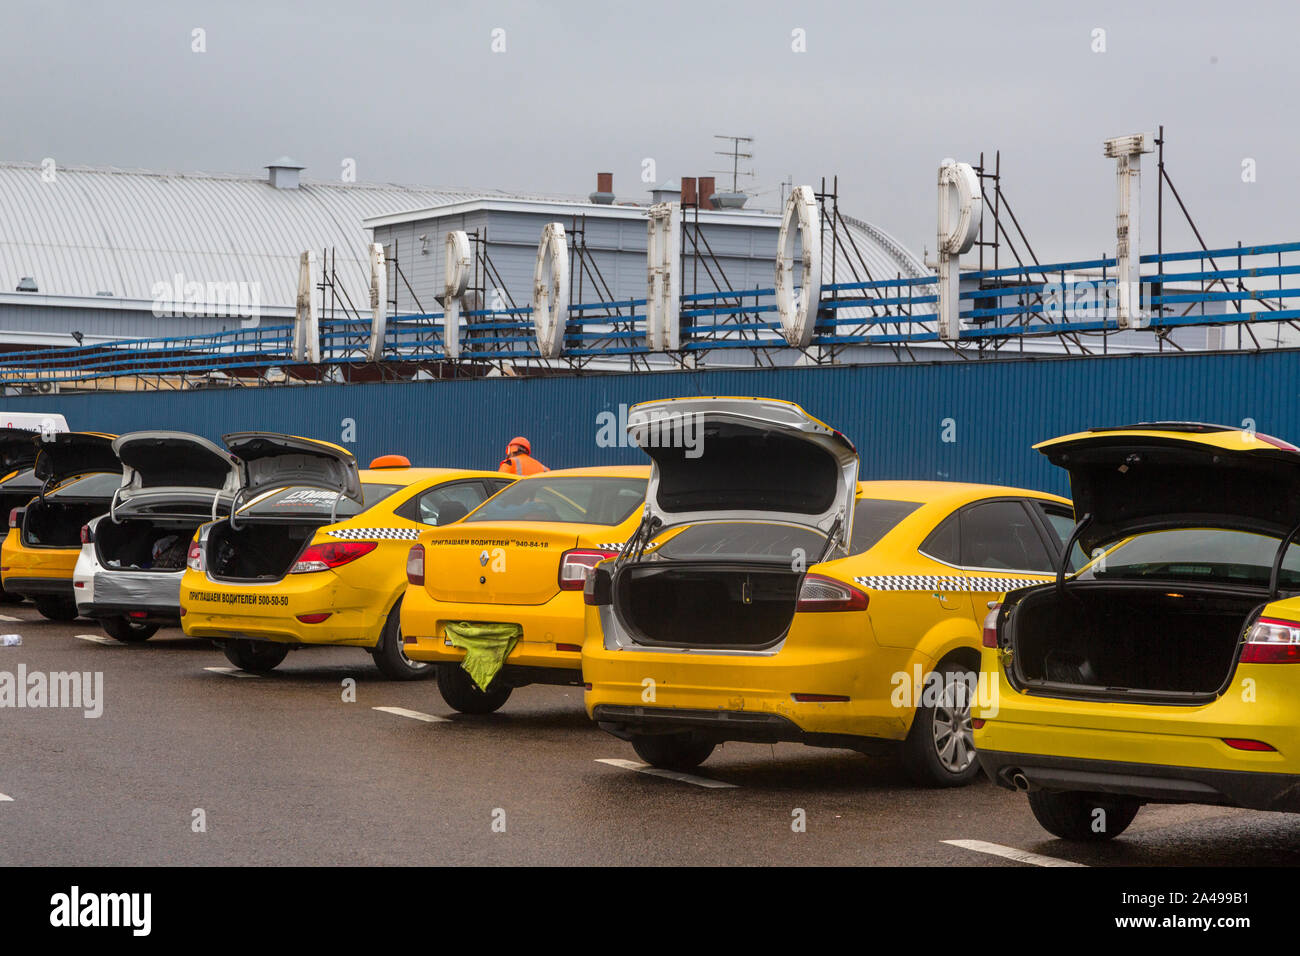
column 483, row 558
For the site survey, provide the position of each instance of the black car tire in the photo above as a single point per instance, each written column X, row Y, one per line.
column 939, row 750
column 256, row 657
column 1072, row 814
column 462, row 694
column 672, row 751
column 390, row 655
column 128, row 631
column 56, row 609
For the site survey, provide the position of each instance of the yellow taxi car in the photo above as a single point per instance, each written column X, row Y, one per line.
column 317, row 556
column 1156, row 674
column 520, row 561
column 769, row 596
column 79, row 472
column 17, row 483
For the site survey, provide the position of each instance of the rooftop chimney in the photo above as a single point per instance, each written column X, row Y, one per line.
column 284, row 173
column 604, row 194
column 708, row 186
column 688, row 191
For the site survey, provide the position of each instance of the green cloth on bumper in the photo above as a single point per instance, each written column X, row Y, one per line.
column 486, row 647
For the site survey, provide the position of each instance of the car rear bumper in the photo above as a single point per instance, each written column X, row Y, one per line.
column 723, row 725
column 1252, row 790
column 552, row 632
column 103, row 592
column 846, row 690
column 40, row 587
column 270, row 612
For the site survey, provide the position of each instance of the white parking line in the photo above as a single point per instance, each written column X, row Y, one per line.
column 6, row 617
column 5, row 798
column 230, row 672
column 98, row 639
column 666, row 774
column 1011, row 853
column 413, row 714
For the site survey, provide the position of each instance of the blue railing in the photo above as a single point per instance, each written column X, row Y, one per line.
column 1024, row 300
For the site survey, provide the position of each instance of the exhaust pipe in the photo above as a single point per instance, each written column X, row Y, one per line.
column 1020, row 781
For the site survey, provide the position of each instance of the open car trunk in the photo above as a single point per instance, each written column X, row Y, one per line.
column 1158, row 642
column 56, row 523
column 257, row 551
column 698, row 604
column 145, row 544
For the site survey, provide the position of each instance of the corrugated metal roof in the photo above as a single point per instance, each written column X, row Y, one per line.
column 96, row 230
column 91, row 231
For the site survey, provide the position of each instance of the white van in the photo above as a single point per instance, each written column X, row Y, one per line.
column 43, row 422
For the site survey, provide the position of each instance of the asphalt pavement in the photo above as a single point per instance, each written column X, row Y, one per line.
column 191, row 764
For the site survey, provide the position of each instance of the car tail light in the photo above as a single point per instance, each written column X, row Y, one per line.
column 313, row 618
column 1241, row 743
column 86, row 536
column 322, row 557
column 1272, row 641
column 820, row 593
column 577, row 564
column 415, row 564
column 194, row 560
column 137, row 615
column 990, row 633
column 13, row 517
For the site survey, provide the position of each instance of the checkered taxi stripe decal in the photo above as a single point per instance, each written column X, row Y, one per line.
column 938, row 582
column 371, row 534
column 610, row 547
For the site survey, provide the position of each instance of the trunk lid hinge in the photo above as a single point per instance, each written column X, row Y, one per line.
column 1069, row 547
column 1275, row 573
column 830, row 539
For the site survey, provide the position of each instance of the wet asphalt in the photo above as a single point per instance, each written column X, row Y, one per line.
column 282, row 769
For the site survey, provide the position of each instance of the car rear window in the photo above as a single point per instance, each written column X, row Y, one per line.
column 726, row 540
column 873, row 518
column 91, row 486
column 1213, row 555
column 575, row 500
column 317, row 503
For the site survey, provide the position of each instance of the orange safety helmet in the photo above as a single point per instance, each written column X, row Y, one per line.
column 520, row 442
column 391, row 461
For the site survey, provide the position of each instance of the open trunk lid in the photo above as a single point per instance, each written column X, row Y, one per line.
column 271, row 460
column 504, row 563
column 69, row 454
column 171, row 473
column 1157, row 476
column 17, row 449
column 738, row 459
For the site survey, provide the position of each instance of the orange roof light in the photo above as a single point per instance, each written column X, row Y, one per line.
column 391, row 461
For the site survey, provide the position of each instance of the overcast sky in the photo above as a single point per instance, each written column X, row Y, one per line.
column 413, row 92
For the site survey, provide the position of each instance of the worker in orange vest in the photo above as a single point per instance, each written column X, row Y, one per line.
column 519, row 459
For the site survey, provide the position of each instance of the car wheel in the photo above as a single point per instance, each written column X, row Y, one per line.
column 128, row 631
column 462, row 694
column 257, row 657
column 672, row 751
column 1083, row 817
column 390, row 655
column 56, row 610
column 8, row 597
column 940, row 748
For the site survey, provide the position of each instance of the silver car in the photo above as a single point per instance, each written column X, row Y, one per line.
column 128, row 575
